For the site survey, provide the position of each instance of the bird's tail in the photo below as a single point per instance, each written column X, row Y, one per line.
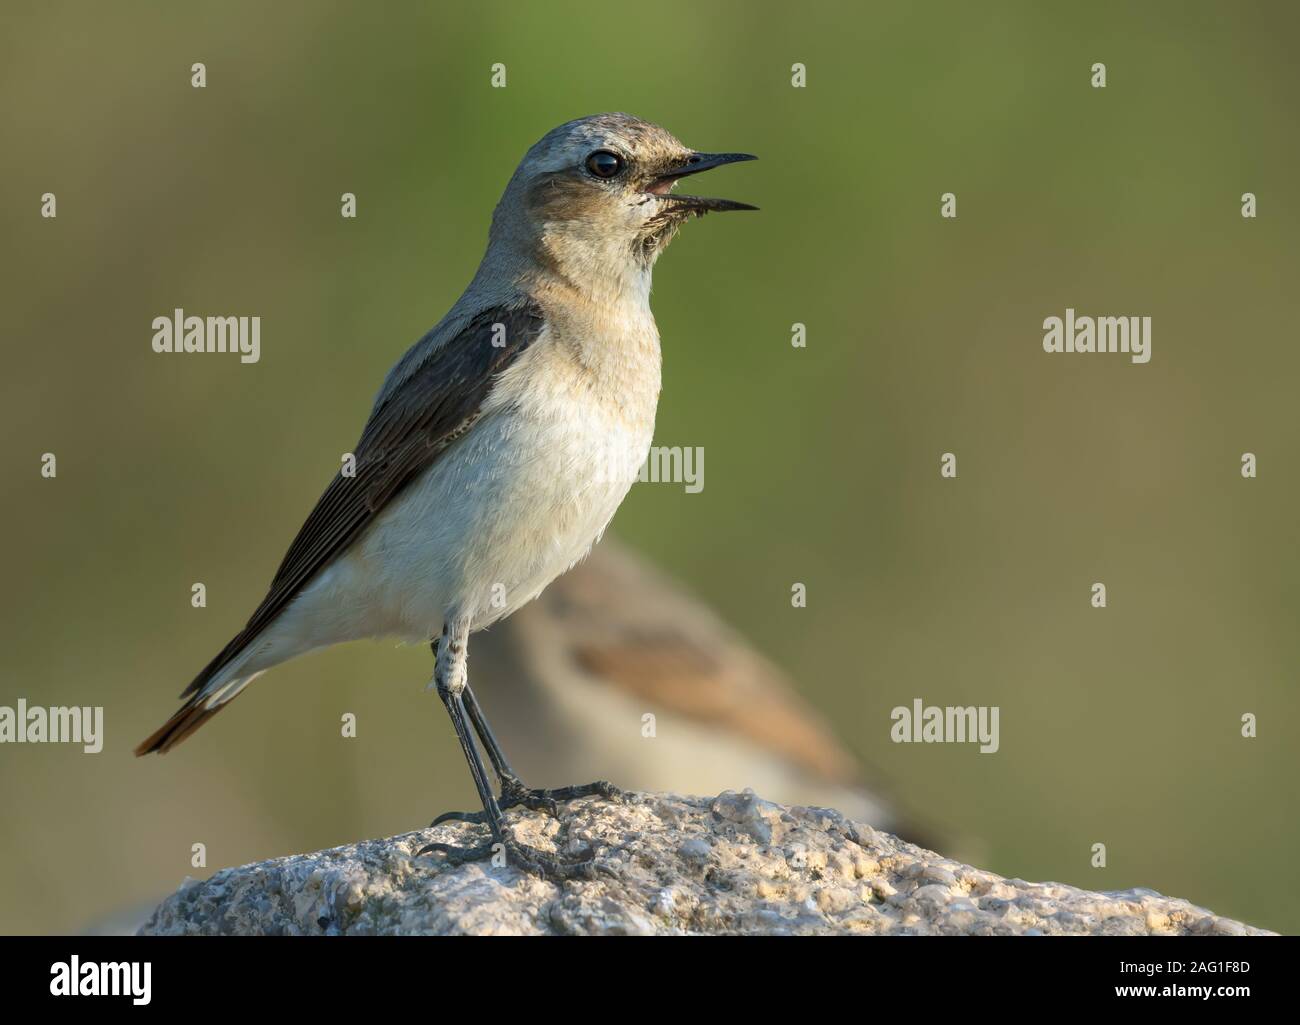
column 211, row 691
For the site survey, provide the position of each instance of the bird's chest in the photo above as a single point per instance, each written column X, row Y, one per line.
column 565, row 439
column 527, row 491
column 588, row 413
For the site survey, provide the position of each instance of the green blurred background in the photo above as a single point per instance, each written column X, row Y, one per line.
column 1118, row 726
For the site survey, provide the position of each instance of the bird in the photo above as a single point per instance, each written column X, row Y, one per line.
column 497, row 450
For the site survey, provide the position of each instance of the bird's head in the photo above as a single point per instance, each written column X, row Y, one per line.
column 599, row 191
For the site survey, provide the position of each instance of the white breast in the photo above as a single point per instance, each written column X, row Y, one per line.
column 516, row 502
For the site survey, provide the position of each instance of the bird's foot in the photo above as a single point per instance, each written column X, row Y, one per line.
column 521, row 856
column 514, row 795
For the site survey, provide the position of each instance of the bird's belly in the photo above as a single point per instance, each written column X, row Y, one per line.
column 515, row 503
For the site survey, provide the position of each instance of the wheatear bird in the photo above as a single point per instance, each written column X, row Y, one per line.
column 499, row 446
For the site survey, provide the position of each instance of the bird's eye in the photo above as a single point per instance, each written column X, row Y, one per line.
column 604, row 164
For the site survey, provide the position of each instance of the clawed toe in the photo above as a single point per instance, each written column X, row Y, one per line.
column 600, row 788
column 457, row 855
column 516, row 795
column 477, row 817
column 519, row 796
column 548, row 866
column 529, row 859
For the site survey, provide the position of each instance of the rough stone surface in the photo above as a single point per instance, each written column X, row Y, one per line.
column 671, row 865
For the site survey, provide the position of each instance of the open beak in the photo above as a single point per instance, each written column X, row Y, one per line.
column 662, row 185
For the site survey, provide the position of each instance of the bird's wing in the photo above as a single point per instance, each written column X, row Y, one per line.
column 413, row 423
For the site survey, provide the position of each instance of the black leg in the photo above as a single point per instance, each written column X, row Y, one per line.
column 460, row 705
column 490, row 744
column 492, row 811
column 513, row 791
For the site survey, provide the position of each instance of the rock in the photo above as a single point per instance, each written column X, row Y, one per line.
column 670, row 865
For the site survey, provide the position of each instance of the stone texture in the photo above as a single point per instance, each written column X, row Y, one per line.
column 674, row 865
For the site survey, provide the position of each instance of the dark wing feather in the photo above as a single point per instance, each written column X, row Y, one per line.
column 437, row 403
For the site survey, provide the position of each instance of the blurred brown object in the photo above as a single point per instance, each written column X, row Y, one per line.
column 568, row 680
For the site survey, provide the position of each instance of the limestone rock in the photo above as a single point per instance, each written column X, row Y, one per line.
column 669, row 865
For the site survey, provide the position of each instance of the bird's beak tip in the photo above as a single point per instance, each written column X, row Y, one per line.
column 694, row 164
